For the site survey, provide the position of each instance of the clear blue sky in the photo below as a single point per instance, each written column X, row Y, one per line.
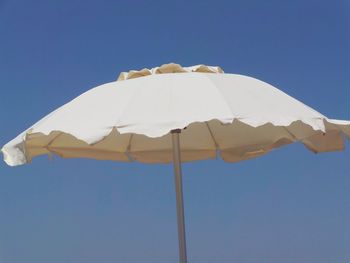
column 289, row 206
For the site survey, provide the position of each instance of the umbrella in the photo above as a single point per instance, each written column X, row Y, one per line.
column 177, row 114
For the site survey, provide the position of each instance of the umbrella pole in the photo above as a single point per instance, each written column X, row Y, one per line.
column 179, row 195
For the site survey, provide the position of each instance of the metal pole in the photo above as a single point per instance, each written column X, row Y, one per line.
column 179, row 196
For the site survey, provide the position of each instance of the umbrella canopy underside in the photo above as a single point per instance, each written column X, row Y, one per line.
column 205, row 140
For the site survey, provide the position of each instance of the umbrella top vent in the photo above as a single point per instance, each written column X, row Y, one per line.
column 168, row 68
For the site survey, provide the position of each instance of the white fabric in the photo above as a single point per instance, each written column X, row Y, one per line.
column 236, row 116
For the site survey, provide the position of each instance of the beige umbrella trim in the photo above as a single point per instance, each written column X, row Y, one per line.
column 168, row 68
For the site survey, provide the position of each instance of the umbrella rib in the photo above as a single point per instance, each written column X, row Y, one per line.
column 127, row 152
column 212, row 136
column 48, row 145
column 290, row 133
column 24, row 149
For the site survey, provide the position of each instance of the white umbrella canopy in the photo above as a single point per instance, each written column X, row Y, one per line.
column 142, row 115
column 228, row 115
